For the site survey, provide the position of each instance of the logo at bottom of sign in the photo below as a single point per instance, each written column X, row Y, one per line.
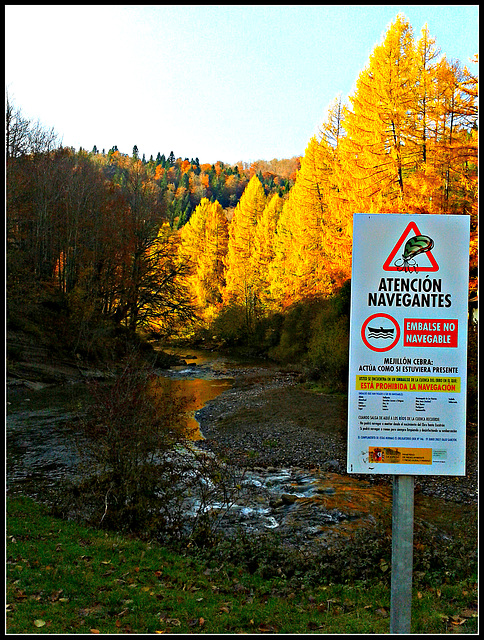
column 398, row 455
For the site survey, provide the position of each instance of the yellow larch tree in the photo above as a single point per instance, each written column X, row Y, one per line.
column 456, row 140
column 337, row 224
column 212, row 263
column 263, row 253
column 240, row 278
column 445, row 113
column 313, row 239
column 204, row 242
column 298, row 269
column 424, row 182
column 379, row 149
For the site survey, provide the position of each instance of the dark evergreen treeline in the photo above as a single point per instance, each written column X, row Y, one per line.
column 184, row 182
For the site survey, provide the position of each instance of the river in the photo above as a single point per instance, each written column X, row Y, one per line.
column 305, row 505
column 38, row 451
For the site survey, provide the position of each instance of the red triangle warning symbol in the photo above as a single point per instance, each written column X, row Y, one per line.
column 426, row 261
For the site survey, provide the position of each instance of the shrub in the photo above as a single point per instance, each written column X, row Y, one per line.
column 328, row 351
column 230, row 326
column 267, row 332
column 131, row 425
column 295, row 331
column 315, row 333
column 139, row 472
column 127, row 444
column 365, row 555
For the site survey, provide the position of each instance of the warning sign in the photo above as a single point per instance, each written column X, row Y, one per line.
column 408, row 344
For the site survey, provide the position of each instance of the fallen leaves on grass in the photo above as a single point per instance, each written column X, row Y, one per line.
column 384, row 566
column 96, row 608
column 457, row 620
column 312, row 626
column 194, row 622
column 174, row 622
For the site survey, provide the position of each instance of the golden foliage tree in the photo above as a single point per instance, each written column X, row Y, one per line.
column 379, row 149
column 204, row 242
column 298, row 268
column 337, row 229
column 263, row 253
column 411, row 139
column 240, row 278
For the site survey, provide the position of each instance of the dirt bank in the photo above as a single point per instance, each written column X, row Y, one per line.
column 34, row 366
column 269, row 420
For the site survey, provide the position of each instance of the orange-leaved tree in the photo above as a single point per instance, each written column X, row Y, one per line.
column 263, row 253
column 299, row 267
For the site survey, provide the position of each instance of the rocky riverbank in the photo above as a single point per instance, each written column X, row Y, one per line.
column 267, row 420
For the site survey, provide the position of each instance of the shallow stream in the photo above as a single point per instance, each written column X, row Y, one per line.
column 304, row 505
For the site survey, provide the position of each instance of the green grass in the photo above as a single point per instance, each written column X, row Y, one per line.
column 66, row 578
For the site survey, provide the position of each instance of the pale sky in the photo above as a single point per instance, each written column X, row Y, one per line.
column 217, row 82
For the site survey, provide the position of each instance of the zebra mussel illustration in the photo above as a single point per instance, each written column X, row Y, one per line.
column 413, row 247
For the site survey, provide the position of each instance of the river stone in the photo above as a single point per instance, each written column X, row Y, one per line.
column 327, row 491
column 35, row 386
column 288, row 498
column 332, row 465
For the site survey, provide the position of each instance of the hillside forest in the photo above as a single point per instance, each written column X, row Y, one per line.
column 103, row 247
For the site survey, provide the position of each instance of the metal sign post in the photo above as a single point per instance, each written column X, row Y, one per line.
column 407, row 364
column 402, row 554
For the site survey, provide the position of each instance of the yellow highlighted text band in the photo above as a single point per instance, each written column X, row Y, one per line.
column 408, row 383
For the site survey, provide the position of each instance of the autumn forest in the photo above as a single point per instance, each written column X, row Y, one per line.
column 101, row 244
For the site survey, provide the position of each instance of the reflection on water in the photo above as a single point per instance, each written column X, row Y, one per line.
column 198, row 391
column 37, row 446
column 206, row 363
column 204, row 376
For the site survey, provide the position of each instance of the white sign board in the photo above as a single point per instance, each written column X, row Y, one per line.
column 408, row 344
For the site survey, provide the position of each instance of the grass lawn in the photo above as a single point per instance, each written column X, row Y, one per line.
column 67, row 578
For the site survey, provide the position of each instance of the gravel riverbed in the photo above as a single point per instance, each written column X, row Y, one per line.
column 268, row 419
